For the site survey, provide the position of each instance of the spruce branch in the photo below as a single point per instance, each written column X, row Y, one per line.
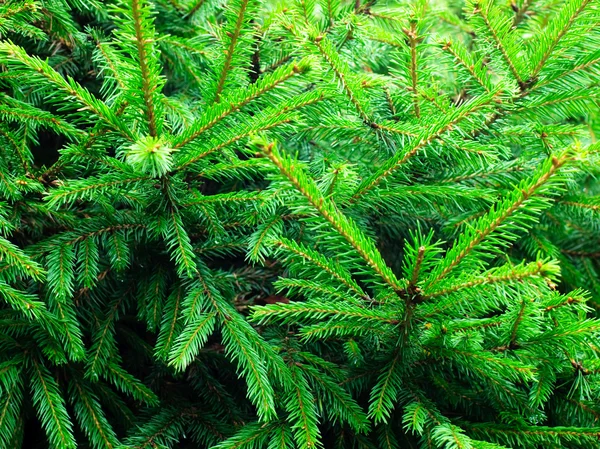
column 142, row 38
column 106, row 51
column 40, row 71
column 190, row 340
column 521, row 12
column 500, row 32
column 237, row 99
column 474, row 67
column 494, row 220
column 425, row 137
column 179, row 244
column 413, row 40
column 417, row 268
column 383, row 395
column 9, row 408
column 12, row 110
column 418, row 249
column 72, row 335
column 171, row 323
column 91, row 417
column 136, row 37
column 334, row 270
column 127, row 383
column 272, row 117
column 12, row 255
column 585, row 437
column 314, row 311
column 27, row 304
column 89, row 189
column 103, row 345
column 194, row 7
column 307, row 9
column 349, row 85
column 250, row 436
column 51, row 407
column 249, row 362
column 504, row 274
column 589, row 61
column 300, row 405
column 159, row 429
column 344, row 226
column 513, row 333
column 237, row 22
column 564, row 21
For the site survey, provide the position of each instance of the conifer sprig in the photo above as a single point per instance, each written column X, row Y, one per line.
column 424, row 138
column 148, row 64
column 345, row 227
column 248, row 224
column 37, row 71
column 512, row 207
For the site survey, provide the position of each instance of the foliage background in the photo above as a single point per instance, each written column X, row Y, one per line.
column 252, row 224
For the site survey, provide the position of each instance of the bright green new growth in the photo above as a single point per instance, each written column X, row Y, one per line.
column 252, row 224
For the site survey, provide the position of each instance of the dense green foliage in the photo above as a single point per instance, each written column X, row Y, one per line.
column 323, row 223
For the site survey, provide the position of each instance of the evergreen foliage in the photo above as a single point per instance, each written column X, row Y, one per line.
column 321, row 223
